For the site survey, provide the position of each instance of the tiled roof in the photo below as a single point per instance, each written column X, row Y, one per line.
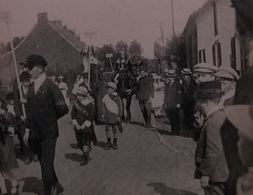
column 67, row 34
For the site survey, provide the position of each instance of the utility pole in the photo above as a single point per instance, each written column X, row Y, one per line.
column 90, row 35
column 172, row 19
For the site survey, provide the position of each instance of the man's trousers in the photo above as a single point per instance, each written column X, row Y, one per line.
column 146, row 109
column 45, row 150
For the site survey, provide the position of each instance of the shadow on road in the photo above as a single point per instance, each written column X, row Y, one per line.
column 32, row 185
column 163, row 189
column 74, row 157
column 101, row 144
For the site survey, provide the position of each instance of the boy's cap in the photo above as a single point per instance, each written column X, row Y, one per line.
column 227, row 73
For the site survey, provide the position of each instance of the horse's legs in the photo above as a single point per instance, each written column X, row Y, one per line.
column 128, row 107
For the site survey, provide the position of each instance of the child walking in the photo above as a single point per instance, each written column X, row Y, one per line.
column 83, row 115
column 112, row 115
column 8, row 160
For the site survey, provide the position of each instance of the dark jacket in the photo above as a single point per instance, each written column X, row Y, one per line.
column 145, row 88
column 210, row 158
column 44, row 109
column 230, row 138
column 172, row 94
column 82, row 113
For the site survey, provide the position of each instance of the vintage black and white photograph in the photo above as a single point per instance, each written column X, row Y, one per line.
column 126, row 97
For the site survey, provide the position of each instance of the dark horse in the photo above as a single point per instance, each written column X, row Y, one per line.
column 126, row 81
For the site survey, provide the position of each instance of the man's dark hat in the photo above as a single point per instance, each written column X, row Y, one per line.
column 25, row 76
column 209, row 90
column 35, row 60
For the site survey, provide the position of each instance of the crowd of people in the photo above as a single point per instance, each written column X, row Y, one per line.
column 205, row 95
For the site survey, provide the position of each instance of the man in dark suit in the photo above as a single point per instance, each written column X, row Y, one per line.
column 172, row 100
column 145, row 93
column 45, row 105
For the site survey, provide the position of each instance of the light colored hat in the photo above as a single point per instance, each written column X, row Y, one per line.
column 186, row 71
column 60, row 77
column 166, row 70
column 205, row 68
column 82, row 91
column 227, row 73
column 111, row 85
column 240, row 117
column 171, row 73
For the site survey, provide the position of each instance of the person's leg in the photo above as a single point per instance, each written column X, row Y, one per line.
column 108, row 129
column 93, row 137
column 170, row 115
column 2, row 184
column 176, row 120
column 9, row 175
column 142, row 106
column 47, row 164
column 85, row 149
column 148, row 110
column 115, row 136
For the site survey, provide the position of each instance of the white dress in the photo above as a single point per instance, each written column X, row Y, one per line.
column 64, row 89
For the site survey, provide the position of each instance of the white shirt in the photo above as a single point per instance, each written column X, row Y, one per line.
column 39, row 81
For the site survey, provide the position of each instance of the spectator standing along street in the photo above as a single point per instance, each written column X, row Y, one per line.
column 172, row 100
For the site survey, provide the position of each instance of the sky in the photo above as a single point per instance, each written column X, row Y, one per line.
column 111, row 20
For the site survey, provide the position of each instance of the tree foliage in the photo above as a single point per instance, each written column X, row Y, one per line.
column 121, row 45
column 135, row 49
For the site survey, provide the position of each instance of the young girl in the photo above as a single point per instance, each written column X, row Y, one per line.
column 8, row 159
column 112, row 115
column 83, row 115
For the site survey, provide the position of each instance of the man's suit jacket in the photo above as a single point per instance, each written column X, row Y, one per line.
column 43, row 110
column 145, row 88
column 172, row 94
column 210, row 158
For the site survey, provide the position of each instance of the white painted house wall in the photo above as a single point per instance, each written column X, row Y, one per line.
column 226, row 22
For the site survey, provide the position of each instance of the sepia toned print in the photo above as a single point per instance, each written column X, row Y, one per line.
column 126, row 97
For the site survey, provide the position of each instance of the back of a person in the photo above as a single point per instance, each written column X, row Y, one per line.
column 214, row 148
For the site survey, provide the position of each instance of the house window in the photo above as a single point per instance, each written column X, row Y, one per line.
column 215, row 18
column 204, row 55
column 200, row 56
column 217, row 54
column 214, row 55
column 233, row 53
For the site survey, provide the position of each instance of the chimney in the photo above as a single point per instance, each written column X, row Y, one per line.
column 42, row 17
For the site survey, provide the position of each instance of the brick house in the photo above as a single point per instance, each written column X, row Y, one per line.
column 60, row 46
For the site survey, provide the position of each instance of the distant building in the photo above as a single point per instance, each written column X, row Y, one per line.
column 60, row 46
column 212, row 36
